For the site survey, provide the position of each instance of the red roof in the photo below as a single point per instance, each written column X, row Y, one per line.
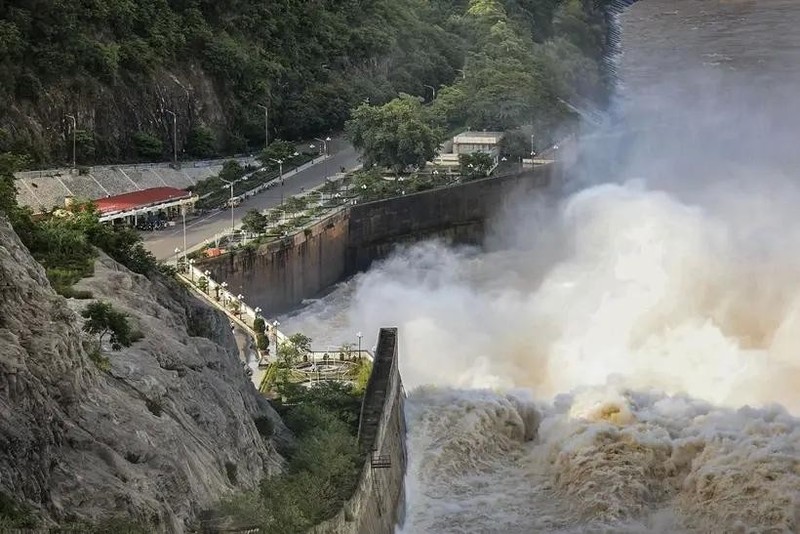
column 140, row 199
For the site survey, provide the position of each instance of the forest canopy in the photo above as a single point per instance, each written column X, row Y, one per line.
column 312, row 62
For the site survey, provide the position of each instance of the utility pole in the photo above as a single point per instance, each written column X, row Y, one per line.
column 533, row 151
column 174, row 138
column 74, row 130
column 280, row 174
column 324, row 144
column 266, row 124
column 183, row 217
column 233, row 226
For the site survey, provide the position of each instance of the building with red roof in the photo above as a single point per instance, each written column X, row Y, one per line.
column 167, row 200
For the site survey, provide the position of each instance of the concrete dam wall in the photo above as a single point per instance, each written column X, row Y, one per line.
column 378, row 502
column 280, row 275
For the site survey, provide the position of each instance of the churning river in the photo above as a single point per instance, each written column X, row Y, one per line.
column 626, row 359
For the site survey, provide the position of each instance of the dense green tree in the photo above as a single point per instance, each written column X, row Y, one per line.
column 311, row 62
column 84, row 146
column 254, row 222
column 259, row 325
column 397, row 135
column 103, row 320
column 147, row 146
column 277, row 150
column 475, row 165
column 9, row 164
column 516, row 144
column 200, row 143
column 231, row 170
column 262, row 341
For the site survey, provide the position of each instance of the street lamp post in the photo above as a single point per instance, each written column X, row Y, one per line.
column 74, row 130
column 174, row 138
column 183, row 217
column 275, row 325
column 177, row 257
column 191, row 269
column 266, row 124
column 240, row 298
column 280, row 174
column 233, row 226
column 358, row 335
column 324, row 144
column 223, row 286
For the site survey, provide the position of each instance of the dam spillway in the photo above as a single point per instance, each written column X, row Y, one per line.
column 624, row 360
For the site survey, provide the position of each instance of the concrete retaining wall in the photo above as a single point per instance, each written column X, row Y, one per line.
column 280, row 275
column 378, row 502
column 458, row 214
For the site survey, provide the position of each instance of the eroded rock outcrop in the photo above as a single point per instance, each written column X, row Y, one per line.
column 166, row 432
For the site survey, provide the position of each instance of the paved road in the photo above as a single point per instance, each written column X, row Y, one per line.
column 162, row 243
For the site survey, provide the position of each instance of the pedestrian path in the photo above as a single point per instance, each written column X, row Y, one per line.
column 241, row 316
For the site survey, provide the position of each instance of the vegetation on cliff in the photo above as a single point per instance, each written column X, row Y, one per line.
column 65, row 242
column 324, row 463
column 119, row 66
column 309, row 61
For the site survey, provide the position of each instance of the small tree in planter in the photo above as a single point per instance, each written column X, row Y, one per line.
column 259, row 325
column 202, row 283
column 262, row 341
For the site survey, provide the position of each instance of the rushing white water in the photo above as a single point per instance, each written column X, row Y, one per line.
column 600, row 384
column 627, row 359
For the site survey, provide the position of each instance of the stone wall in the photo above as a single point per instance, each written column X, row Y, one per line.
column 378, row 502
column 280, row 275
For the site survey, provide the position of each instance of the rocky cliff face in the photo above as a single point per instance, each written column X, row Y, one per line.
column 166, row 432
column 114, row 113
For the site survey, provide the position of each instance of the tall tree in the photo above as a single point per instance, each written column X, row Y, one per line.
column 396, row 135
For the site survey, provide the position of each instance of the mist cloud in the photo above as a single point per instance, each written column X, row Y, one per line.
column 644, row 326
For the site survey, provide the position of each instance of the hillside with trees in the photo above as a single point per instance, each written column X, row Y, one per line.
column 120, row 68
column 522, row 62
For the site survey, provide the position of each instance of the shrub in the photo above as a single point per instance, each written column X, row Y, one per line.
column 230, row 470
column 136, row 335
column 259, row 325
column 154, row 406
column 147, row 146
column 200, row 143
column 264, row 425
column 14, row 514
column 262, row 341
column 100, row 361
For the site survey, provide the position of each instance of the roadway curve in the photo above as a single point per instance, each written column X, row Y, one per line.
column 162, row 243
